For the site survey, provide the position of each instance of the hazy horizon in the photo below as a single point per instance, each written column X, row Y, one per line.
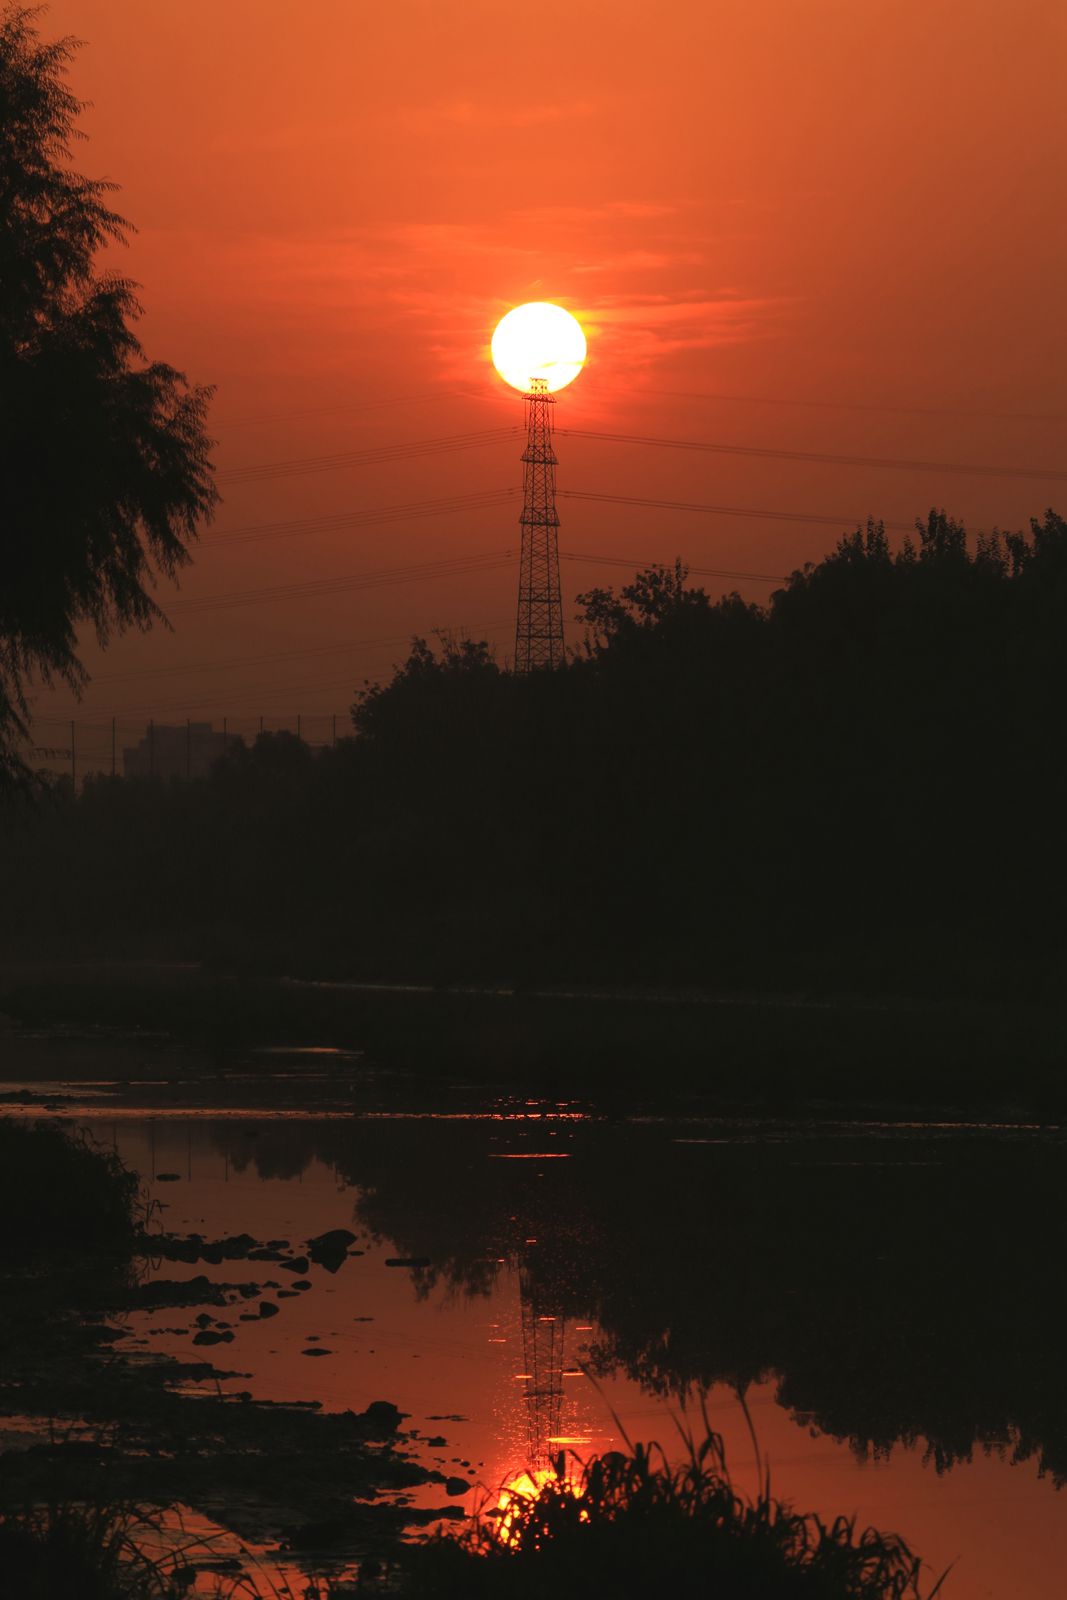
column 766, row 249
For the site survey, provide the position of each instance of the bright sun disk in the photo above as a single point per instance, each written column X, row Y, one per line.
column 538, row 340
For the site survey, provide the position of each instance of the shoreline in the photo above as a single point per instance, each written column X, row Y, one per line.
column 790, row 1056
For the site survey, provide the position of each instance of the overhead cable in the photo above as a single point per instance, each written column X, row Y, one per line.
column 704, row 509
column 370, row 516
column 375, row 455
column 823, row 458
column 380, row 454
column 373, row 578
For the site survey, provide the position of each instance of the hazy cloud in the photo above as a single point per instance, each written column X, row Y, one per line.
column 641, row 302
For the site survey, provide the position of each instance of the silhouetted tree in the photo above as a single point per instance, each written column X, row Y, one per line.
column 859, row 785
column 104, row 466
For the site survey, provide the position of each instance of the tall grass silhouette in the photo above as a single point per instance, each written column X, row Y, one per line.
column 632, row 1523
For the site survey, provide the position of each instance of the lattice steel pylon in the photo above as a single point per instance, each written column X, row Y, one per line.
column 539, row 628
column 542, row 1348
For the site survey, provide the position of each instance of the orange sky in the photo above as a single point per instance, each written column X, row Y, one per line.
column 849, row 214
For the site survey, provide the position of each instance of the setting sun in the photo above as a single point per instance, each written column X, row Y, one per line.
column 563, row 821
column 538, row 340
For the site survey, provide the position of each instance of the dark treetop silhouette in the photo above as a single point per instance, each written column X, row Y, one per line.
column 103, row 458
column 862, row 785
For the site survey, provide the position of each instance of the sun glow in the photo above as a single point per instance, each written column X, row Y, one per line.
column 519, row 1492
column 538, row 340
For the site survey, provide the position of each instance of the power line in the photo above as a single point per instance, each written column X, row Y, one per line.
column 424, row 398
column 704, row 572
column 349, row 407
column 447, row 567
column 586, row 558
column 380, row 454
column 370, row 517
column 245, row 695
column 319, row 651
column 293, row 693
column 255, row 694
column 861, row 405
column 491, row 498
column 247, row 661
column 375, row 578
column 724, row 511
column 485, row 561
column 489, row 561
column 372, row 456
column 898, row 464
column 337, row 649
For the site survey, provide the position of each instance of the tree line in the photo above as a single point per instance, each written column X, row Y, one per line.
column 861, row 783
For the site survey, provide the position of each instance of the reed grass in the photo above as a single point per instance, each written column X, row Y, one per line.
column 631, row 1523
column 119, row 1550
column 91, row 1551
column 62, row 1197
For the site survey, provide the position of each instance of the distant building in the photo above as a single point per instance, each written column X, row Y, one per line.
column 188, row 751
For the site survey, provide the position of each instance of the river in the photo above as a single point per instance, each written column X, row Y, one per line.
column 528, row 1277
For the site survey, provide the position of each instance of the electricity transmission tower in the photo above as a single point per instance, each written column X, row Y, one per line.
column 539, row 629
column 542, row 1348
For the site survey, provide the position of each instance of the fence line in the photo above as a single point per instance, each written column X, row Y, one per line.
column 124, row 746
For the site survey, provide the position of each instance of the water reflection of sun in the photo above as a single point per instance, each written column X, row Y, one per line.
column 525, row 1486
column 530, row 1436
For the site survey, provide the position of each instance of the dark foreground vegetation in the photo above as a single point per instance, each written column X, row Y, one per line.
column 860, row 787
column 633, row 1525
column 63, row 1199
column 91, row 1551
column 627, row 1524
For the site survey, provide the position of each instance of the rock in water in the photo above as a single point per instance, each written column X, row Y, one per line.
column 330, row 1249
column 382, row 1417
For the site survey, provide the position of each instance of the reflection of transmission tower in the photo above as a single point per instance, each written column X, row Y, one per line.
column 539, row 630
column 542, row 1351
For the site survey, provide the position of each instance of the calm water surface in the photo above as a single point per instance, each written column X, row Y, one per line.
column 889, row 1299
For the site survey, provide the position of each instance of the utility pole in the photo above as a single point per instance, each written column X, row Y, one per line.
column 73, row 760
column 112, row 747
column 539, row 627
column 151, row 748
